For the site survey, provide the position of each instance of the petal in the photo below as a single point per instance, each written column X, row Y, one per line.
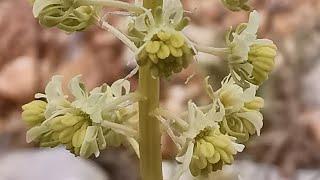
column 250, row 93
column 140, row 22
column 135, row 145
column 186, row 160
column 172, row 11
column 118, row 86
column 255, row 117
column 54, row 89
column 238, row 147
column 75, row 88
column 39, row 5
column 100, row 139
column 253, row 23
column 263, row 42
column 208, row 87
column 35, row 132
column 89, row 145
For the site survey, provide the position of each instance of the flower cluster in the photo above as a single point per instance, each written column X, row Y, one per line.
column 250, row 59
column 166, row 53
column 208, row 136
column 67, row 15
column 203, row 148
column 91, row 122
column 211, row 151
column 242, row 109
column 162, row 45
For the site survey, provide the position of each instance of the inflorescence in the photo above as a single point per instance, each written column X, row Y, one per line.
column 208, row 137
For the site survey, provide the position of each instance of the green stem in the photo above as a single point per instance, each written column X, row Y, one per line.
column 149, row 127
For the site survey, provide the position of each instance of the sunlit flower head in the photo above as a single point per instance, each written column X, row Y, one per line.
column 250, row 59
column 83, row 125
column 202, row 147
column 162, row 45
column 242, row 109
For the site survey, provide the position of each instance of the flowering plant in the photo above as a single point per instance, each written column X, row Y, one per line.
column 207, row 137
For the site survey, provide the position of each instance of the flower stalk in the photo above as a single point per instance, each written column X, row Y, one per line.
column 149, row 127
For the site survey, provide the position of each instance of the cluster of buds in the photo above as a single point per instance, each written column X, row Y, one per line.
column 162, row 45
column 242, row 109
column 211, row 151
column 250, row 59
column 166, row 53
column 90, row 123
column 67, row 15
column 203, row 148
column 208, row 137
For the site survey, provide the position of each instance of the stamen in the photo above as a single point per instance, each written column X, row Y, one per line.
column 169, row 115
column 122, row 37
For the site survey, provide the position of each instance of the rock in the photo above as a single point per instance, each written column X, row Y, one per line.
column 54, row 164
column 17, row 79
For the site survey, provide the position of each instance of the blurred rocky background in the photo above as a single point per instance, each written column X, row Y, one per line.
column 290, row 143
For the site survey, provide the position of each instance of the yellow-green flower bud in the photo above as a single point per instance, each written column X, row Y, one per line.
column 152, row 47
column 166, row 53
column 49, row 139
column 164, row 36
column 256, row 104
column 236, row 5
column 33, row 112
column 262, row 57
column 212, row 150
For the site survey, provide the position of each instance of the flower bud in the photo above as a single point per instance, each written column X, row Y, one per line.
column 262, row 57
column 256, row 104
column 236, row 5
column 212, row 150
column 33, row 112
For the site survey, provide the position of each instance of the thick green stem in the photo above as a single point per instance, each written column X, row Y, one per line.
column 149, row 127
